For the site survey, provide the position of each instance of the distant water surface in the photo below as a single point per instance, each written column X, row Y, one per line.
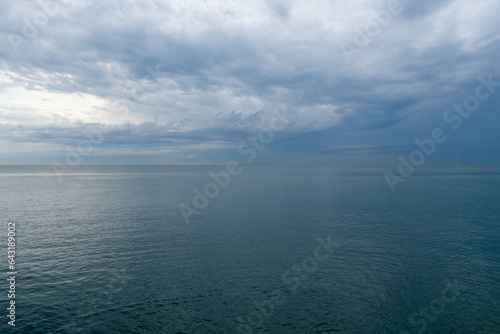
column 106, row 250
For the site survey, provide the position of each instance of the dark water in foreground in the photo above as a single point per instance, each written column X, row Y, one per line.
column 106, row 250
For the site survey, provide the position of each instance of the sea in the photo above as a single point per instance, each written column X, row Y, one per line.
column 228, row 249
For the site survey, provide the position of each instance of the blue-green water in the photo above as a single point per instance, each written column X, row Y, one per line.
column 106, row 250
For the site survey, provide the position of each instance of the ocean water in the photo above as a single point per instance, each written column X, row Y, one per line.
column 278, row 250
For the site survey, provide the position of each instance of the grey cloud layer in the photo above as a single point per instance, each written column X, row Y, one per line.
column 213, row 71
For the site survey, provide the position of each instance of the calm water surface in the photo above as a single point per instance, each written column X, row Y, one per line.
column 106, row 250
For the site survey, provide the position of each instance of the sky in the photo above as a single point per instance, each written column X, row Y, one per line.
column 355, row 83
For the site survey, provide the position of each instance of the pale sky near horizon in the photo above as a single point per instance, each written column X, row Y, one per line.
column 199, row 77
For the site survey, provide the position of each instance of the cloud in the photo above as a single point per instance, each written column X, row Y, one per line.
column 212, row 71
